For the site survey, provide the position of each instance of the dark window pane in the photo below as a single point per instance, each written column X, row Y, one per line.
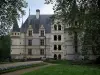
column 59, row 27
column 59, row 37
column 55, row 37
column 55, row 27
column 30, row 42
column 59, row 47
column 55, row 47
column 42, row 32
column 42, row 42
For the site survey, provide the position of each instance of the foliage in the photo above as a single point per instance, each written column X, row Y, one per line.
column 9, row 11
column 83, row 15
column 5, row 47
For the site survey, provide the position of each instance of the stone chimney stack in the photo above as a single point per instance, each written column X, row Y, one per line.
column 37, row 14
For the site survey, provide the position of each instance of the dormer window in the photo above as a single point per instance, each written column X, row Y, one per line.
column 30, row 32
column 42, row 32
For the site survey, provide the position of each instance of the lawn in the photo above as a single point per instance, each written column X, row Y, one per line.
column 66, row 69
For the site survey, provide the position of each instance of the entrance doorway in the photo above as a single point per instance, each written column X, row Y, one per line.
column 59, row 56
column 55, row 56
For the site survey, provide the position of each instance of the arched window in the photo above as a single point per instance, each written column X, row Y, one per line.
column 59, row 27
column 55, row 27
column 59, row 56
column 55, row 56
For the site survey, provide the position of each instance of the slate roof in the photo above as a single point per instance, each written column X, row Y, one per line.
column 44, row 20
column 15, row 26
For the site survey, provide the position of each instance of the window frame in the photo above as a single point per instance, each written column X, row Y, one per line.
column 55, row 27
column 42, row 32
column 29, row 32
column 55, row 47
column 59, row 27
column 29, row 42
column 29, row 51
column 42, row 42
column 55, row 37
column 41, row 51
column 59, row 37
column 59, row 47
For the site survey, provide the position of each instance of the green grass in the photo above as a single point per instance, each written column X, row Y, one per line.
column 66, row 68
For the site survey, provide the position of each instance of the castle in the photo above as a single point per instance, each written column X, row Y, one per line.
column 39, row 38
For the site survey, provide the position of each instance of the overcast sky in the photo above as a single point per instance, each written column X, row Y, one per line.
column 36, row 4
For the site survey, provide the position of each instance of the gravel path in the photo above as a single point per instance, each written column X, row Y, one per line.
column 19, row 72
column 19, row 63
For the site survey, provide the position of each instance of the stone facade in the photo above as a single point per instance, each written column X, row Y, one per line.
column 40, row 38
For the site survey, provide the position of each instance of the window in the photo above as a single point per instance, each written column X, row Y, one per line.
column 55, row 27
column 41, row 51
column 59, row 56
column 55, row 56
column 42, row 42
column 55, row 47
column 29, row 51
column 30, row 42
column 59, row 37
column 30, row 32
column 59, row 47
column 55, row 37
column 42, row 32
column 59, row 27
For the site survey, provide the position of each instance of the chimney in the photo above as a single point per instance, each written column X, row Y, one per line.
column 37, row 14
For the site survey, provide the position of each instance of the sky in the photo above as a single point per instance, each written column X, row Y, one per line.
column 36, row 4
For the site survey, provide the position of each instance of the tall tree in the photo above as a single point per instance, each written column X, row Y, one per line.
column 83, row 15
column 5, row 45
column 9, row 10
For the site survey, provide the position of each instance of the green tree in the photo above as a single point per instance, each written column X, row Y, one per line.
column 5, row 47
column 83, row 15
column 9, row 10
